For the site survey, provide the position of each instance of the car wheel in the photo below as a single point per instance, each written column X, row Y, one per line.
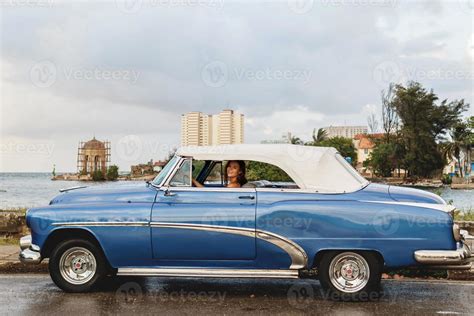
column 77, row 265
column 350, row 276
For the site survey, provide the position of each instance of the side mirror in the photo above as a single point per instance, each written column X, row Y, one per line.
column 168, row 192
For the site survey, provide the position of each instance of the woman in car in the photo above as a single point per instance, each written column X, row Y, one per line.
column 234, row 176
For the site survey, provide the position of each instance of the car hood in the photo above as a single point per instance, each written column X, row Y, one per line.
column 121, row 193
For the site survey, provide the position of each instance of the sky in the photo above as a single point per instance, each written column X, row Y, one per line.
column 125, row 71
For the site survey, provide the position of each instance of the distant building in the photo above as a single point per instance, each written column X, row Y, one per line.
column 93, row 155
column 149, row 168
column 364, row 145
column 198, row 129
column 142, row 169
column 158, row 165
column 285, row 139
column 345, row 131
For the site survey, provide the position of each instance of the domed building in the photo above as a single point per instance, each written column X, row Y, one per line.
column 93, row 155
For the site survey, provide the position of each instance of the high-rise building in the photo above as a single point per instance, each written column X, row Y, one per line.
column 198, row 129
column 345, row 131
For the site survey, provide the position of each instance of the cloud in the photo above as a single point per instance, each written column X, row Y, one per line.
column 72, row 70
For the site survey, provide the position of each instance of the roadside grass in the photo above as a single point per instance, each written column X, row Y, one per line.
column 9, row 241
column 20, row 210
column 464, row 216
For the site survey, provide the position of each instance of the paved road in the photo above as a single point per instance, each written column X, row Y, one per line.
column 35, row 294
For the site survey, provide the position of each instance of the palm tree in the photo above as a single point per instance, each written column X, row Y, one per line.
column 296, row 140
column 460, row 136
column 320, row 136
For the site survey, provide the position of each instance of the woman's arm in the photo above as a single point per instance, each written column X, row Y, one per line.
column 197, row 184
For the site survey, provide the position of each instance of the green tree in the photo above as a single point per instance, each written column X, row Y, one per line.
column 112, row 173
column 461, row 142
column 263, row 171
column 296, row 140
column 382, row 160
column 320, row 136
column 423, row 124
column 98, row 175
column 343, row 145
column 390, row 119
column 470, row 142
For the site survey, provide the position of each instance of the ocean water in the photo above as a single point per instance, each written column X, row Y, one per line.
column 37, row 189
column 33, row 189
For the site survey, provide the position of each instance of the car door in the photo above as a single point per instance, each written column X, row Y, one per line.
column 193, row 223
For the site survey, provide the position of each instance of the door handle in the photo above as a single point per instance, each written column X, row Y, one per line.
column 246, row 197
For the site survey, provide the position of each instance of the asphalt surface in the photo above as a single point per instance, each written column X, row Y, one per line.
column 35, row 294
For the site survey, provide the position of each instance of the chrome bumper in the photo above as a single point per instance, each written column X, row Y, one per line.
column 30, row 253
column 459, row 259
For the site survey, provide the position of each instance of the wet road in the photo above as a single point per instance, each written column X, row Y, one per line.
column 37, row 295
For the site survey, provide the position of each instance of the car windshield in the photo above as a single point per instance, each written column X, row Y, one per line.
column 166, row 169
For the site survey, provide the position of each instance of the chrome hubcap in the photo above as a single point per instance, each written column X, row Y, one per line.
column 349, row 272
column 77, row 265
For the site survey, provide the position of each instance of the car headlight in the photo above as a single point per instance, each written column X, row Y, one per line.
column 456, row 232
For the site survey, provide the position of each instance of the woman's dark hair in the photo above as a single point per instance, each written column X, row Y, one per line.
column 241, row 179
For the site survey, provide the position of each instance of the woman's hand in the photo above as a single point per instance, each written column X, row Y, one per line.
column 197, row 184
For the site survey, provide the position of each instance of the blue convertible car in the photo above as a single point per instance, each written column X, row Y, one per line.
column 327, row 222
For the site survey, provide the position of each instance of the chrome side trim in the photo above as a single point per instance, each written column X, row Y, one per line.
column 72, row 188
column 440, row 207
column 214, row 228
column 299, row 258
column 210, row 273
column 68, row 224
column 208, row 189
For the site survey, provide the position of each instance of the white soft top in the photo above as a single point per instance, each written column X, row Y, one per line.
column 321, row 169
